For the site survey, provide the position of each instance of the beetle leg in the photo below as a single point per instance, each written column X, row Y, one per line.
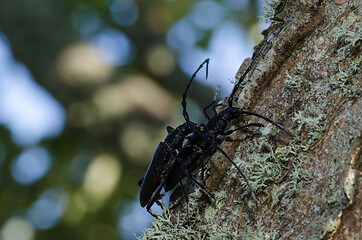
column 203, row 172
column 203, row 187
column 186, row 199
column 206, row 116
column 216, row 97
column 174, row 156
column 232, row 162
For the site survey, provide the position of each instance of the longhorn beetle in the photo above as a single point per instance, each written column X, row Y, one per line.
column 205, row 138
column 165, row 155
column 172, row 161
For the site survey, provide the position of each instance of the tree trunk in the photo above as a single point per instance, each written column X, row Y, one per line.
column 308, row 186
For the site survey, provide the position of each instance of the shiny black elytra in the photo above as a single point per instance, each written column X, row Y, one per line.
column 172, row 161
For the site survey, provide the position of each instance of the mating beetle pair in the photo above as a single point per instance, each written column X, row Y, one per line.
column 173, row 160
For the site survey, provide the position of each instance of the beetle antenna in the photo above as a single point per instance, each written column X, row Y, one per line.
column 231, row 97
column 186, row 115
column 268, row 120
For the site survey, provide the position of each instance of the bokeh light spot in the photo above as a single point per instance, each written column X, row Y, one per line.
column 124, row 12
column 101, row 179
column 133, row 213
column 17, row 228
column 47, row 210
column 114, row 46
column 85, row 19
column 78, row 167
column 132, row 92
column 27, row 109
column 135, row 141
column 236, row 5
column 160, row 61
column 44, row 213
column 158, row 17
column 83, row 63
column 183, row 35
column 77, row 207
column 207, row 14
column 31, row 165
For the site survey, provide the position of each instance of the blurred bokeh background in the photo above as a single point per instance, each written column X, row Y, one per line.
column 87, row 88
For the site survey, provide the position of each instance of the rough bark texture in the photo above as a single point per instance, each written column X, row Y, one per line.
column 308, row 186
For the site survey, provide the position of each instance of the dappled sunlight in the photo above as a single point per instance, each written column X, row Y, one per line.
column 83, row 63
column 134, row 92
column 101, row 179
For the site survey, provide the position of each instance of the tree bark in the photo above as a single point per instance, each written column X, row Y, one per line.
column 308, row 186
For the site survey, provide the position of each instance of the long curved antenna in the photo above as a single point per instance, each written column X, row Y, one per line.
column 266, row 119
column 186, row 115
column 231, row 97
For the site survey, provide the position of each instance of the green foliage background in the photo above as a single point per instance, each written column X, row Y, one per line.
column 41, row 34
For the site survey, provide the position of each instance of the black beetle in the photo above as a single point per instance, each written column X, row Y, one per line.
column 205, row 138
column 172, row 161
column 165, row 155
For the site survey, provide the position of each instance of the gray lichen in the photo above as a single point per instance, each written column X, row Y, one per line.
column 269, row 8
column 316, row 125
